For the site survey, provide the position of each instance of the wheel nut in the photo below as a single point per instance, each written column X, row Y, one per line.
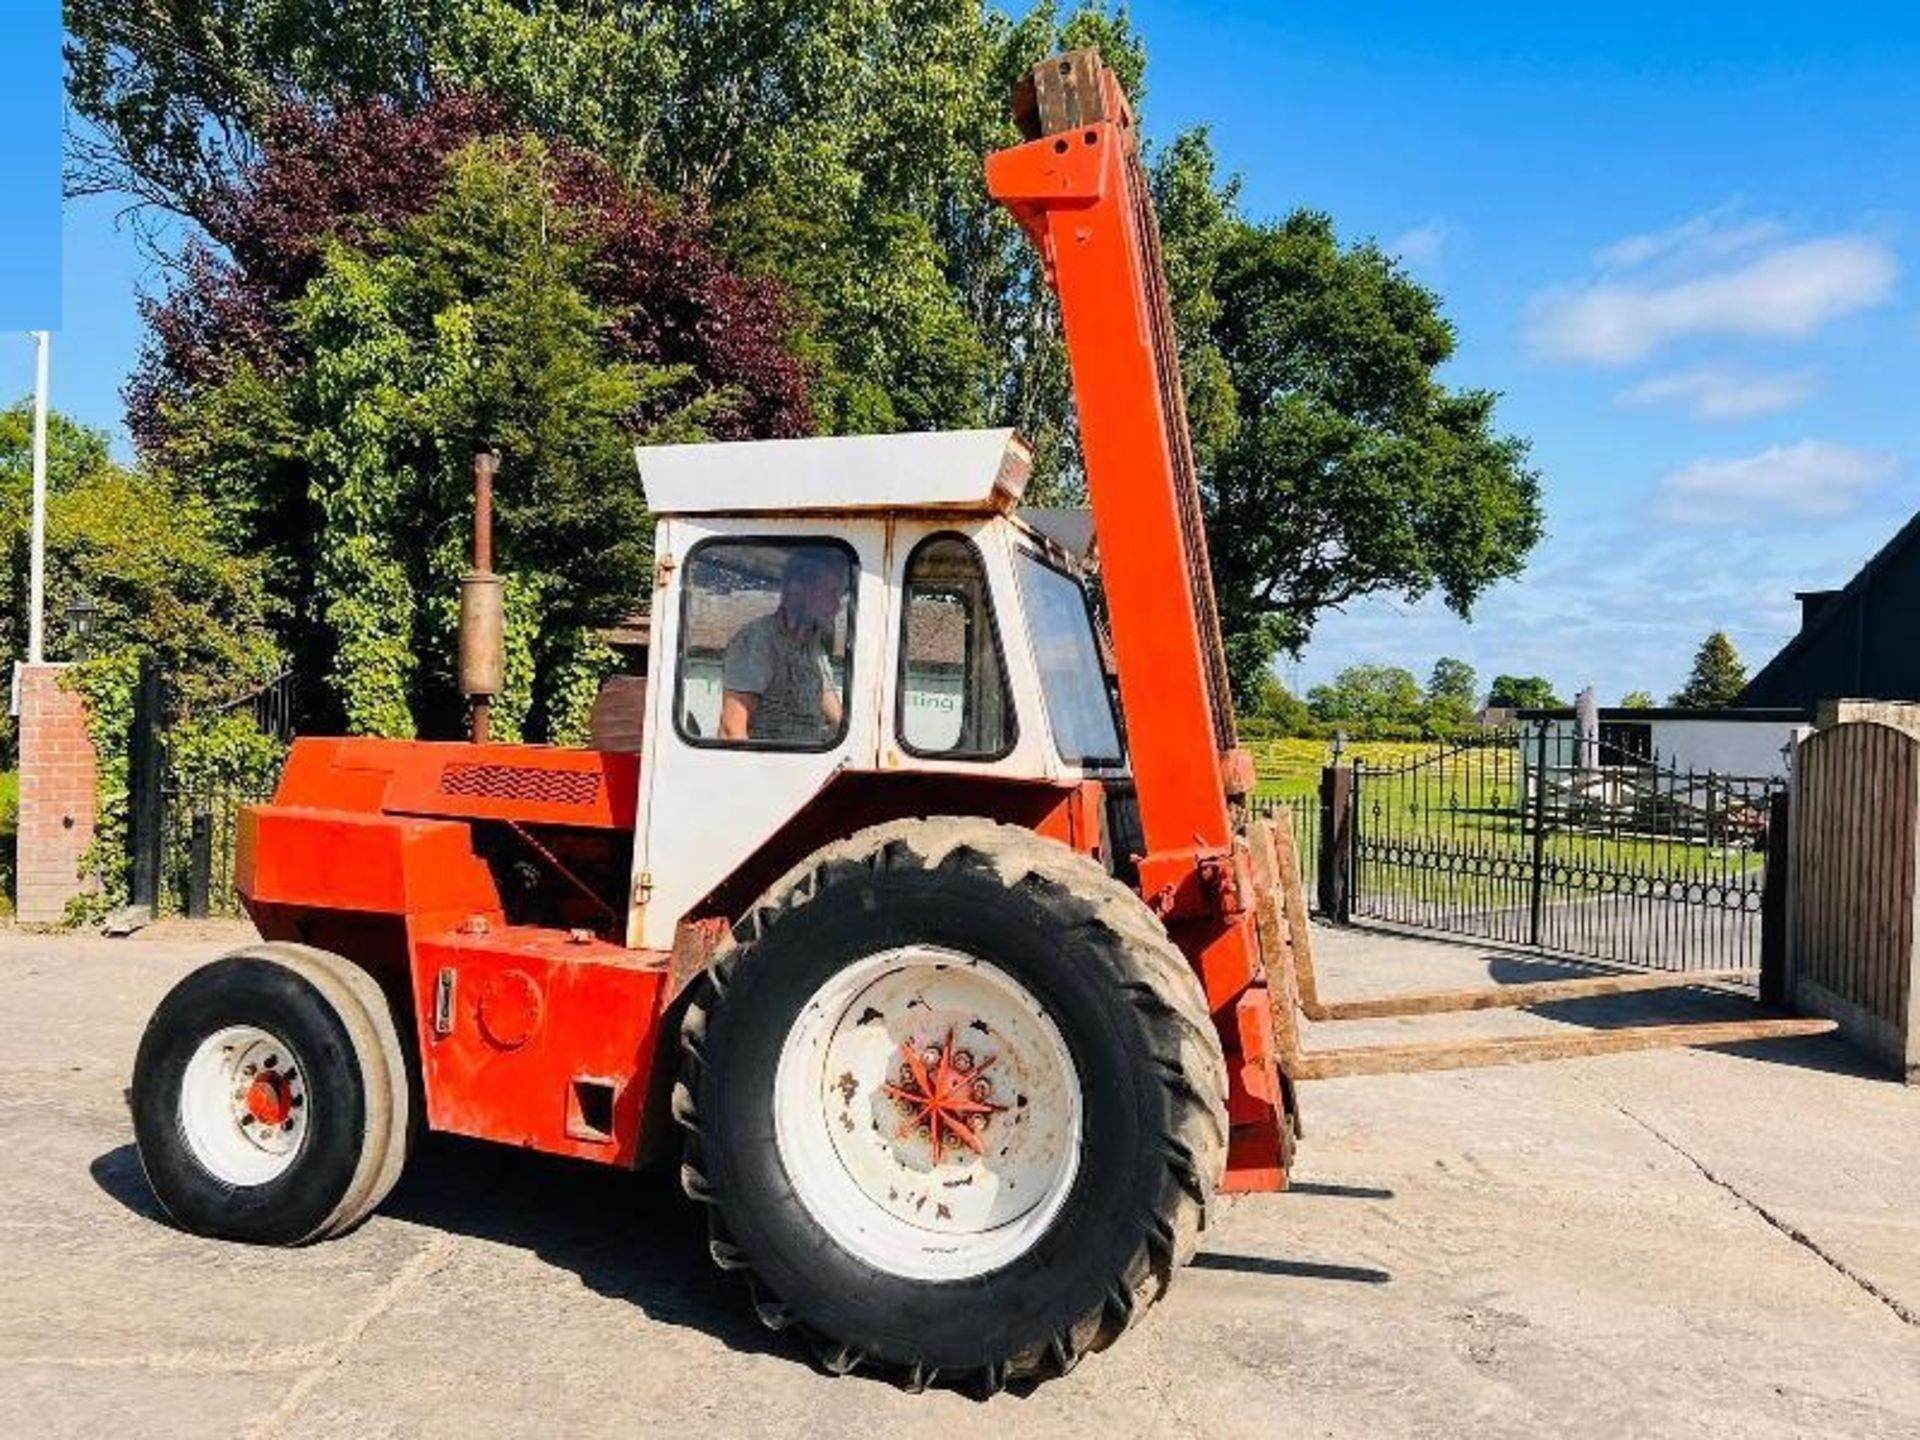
column 931, row 1055
column 981, row 1089
column 906, row 1076
column 976, row 1122
column 963, row 1061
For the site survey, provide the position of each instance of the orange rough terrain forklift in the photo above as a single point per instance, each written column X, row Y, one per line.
column 951, row 990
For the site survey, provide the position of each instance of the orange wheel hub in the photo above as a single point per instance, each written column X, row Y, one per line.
column 945, row 1094
column 269, row 1098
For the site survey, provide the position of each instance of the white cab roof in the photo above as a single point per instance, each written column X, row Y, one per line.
column 959, row 470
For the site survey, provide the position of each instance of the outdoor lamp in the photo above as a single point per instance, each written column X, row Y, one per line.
column 81, row 613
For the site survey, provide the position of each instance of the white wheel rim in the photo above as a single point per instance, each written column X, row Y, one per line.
column 844, row 1119
column 244, row 1106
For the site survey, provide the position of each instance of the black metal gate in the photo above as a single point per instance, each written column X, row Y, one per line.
column 1566, row 844
column 184, row 808
column 1304, row 815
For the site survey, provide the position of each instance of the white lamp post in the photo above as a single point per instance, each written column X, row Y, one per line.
column 37, row 545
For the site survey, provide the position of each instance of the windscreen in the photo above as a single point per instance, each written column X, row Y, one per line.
column 1071, row 678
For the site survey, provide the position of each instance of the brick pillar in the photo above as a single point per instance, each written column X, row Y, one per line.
column 57, row 780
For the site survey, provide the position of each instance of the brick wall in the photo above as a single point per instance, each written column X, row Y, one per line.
column 57, row 775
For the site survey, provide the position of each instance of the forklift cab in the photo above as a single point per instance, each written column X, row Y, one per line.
column 846, row 606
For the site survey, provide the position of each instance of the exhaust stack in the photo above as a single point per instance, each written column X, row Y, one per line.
column 482, row 612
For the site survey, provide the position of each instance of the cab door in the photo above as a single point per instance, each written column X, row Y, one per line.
column 763, row 676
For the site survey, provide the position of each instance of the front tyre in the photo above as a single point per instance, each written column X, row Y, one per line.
column 955, row 1102
column 269, row 1102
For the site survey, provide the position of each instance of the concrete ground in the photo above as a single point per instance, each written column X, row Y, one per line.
column 1670, row 1243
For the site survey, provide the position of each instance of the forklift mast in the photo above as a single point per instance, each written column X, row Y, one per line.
column 1079, row 189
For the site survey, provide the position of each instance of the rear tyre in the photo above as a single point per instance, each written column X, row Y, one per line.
column 267, row 1102
column 955, row 1104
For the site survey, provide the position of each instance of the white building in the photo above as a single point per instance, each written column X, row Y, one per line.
column 1747, row 744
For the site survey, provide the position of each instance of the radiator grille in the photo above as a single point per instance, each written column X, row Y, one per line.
column 522, row 782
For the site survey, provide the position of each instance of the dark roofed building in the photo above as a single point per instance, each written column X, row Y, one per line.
column 1860, row 643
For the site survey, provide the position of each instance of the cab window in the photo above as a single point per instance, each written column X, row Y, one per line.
column 954, row 703
column 1072, row 680
column 766, row 637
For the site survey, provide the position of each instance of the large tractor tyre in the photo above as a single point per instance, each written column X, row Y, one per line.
column 954, row 1103
column 270, row 1097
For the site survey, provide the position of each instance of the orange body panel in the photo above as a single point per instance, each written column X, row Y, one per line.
column 528, row 784
column 378, row 864
column 535, row 1032
column 526, row 1035
column 544, row 1040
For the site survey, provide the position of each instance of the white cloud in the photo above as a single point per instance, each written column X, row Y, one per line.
column 1423, row 245
column 1814, row 479
column 1711, row 236
column 1710, row 393
column 1787, row 293
column 1716, row 274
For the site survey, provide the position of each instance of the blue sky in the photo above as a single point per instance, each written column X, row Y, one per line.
column 29, row 162
column 1679, row 239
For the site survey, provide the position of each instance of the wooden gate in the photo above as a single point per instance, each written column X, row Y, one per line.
column 1853, row 898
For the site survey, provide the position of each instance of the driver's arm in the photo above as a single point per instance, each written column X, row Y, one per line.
column 745, row 672
column 832, row 708
column 736, row 713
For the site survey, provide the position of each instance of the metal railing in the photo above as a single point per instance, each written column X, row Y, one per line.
column 1557, row 843
column 184, row 822
column 1305, row 813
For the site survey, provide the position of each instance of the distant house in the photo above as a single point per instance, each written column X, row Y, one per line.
column 1861, row 642
column 1750, row 743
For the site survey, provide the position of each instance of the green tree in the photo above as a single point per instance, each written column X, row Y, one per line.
column 838, row 144
column 1636, row 700
column 1278, row 711
column 1347, row 468
column 1368, row 696
column 475, row 317
column 153, row 559
column 1717, row 677
column 75, row 454
column 1452, row 693
column 1452, row 679
column 147, row 554
column 1523, row 692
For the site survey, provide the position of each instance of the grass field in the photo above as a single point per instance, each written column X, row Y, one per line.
column 1290, row 769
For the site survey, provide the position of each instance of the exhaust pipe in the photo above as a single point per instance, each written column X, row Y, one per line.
column 482, row 608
